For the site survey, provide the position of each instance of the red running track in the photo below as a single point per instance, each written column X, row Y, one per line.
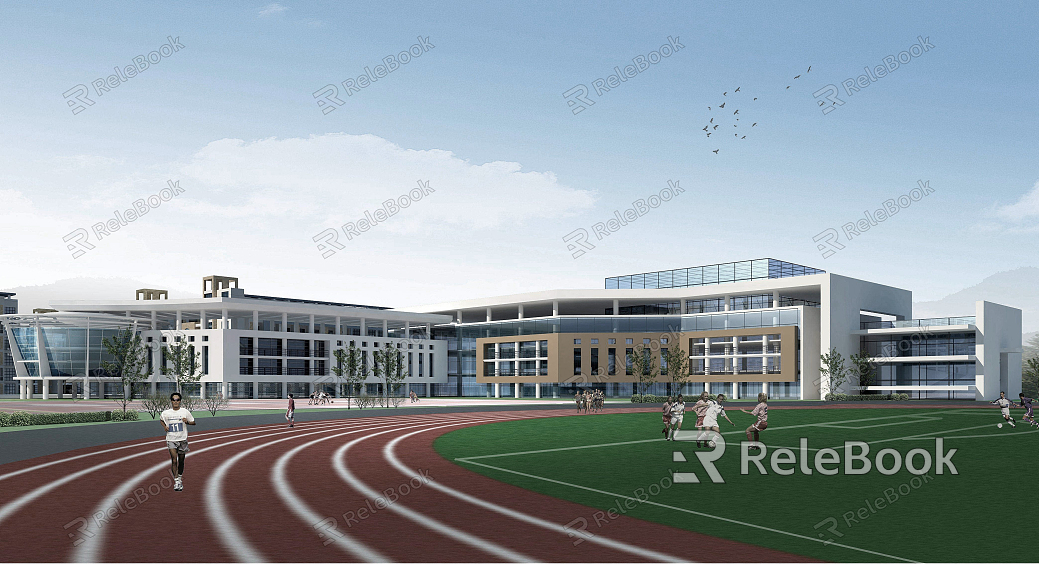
column 314, row 493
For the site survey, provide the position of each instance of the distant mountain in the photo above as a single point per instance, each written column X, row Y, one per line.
column 32, row 297
column 1015, row 288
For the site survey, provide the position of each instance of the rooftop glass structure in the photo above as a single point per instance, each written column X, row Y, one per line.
column 711, row 274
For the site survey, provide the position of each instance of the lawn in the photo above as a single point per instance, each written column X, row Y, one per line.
column 611, row 460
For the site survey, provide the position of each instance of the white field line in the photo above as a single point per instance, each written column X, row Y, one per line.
column 389, row 455
column 90, row 549
column 494, row 549
column 283, row 488
column 692, row 512
column 916, row 419
column 740, row 432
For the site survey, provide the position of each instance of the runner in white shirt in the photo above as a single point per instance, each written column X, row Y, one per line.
column 677, row 414
column 714, row 409
column 173, row 421
column 1004, row 408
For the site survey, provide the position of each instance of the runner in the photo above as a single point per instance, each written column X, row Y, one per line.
column 761, row 411
column 290, row 413
column 710, row 418
column 1004, row 408
column 700, row 407
column 173, row 421
column 677, row 414
column 665, row 415
column 1027, row 404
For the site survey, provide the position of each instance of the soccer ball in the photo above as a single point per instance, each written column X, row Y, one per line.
column 711, row 444
column 1000, row 425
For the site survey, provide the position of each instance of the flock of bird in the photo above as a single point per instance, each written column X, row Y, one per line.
column 712, row 128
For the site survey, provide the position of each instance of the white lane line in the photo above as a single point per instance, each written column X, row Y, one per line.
column 283, row 488
column 494, row 549
column 149, row 443
column 14, row 506
column 390, row 455
column 89, row 550
column 233, row 539
column 917, row 419
column 690, row 511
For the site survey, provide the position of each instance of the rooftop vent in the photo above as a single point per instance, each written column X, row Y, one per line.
column 152, row 294
column 212, row 285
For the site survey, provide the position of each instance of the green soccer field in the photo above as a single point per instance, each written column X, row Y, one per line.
column 621, row 461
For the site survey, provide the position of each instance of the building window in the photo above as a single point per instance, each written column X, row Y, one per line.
column 629, row 341
column 577, row 362
column 595, row 361
column 611, row 361
column 205, row 360
column 595, row 341
column 611, row 341
column 577, row 341
column 627, row 359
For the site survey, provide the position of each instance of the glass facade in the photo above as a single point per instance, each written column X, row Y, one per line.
column 930, row 374
column 711, row 274
column 947, row 344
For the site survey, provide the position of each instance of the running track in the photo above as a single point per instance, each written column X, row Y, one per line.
column 269, row 493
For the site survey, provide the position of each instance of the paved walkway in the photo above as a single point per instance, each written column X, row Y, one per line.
column 67, row 405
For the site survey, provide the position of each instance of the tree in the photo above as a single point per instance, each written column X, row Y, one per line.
column 181, row 364
column 130, row 364
column 348, row 370
column 644, row 366
column 1030, row 378
column 212, row 403
column 834, row 367
column 389, row 364
column 1031, row 349
column 677, row 366
column 865, row 371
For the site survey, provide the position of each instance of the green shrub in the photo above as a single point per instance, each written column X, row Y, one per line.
column 868, row 397
column 649, row 398
column 125, row 416
column 25, row 418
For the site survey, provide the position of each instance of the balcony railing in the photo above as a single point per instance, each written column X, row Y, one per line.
column 262, row 351
column 268, row 371
column 245, row 370
column 242, row 351
column 297, row 352
column 910, row 323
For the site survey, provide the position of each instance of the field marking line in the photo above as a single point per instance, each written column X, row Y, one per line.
column 490, row 547
column 89, row 550
column 468, row 458
column 391, row 457
column 916, row 419
column 693, row 512
column 996, row 434
column 283, row 488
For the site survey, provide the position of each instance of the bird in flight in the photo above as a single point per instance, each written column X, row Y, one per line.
column 715, row 151
column 788, row 88
column 755, row 98
column 809, row 69
column 736, row 112
column 744, row 137
column 753, row 124
column 716, row 127
column 797, row 77
column 708, row 107
column 737, row 89
column 708, row 134
column 722, row 106
column 705, row 128
column 725, row 93
column 712, row 120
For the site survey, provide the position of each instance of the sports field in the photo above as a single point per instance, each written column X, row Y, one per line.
column 982, row 512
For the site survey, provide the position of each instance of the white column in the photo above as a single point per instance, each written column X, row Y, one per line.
column 516, row 388
column 46, row 389
column 519, row 311
column 284, row 322
column 764, row 351
column 407, row 330
column 775, row 298
column 488, row 314
column 459, row 314
column 764, row 388
column 537, row 390
column 429, row 330
column 385, row 328
column 339, row 328
column 223, row 319
column 364, row 330
column 735, row 387
column 155, row 319
column 256, row 320
column 616, row 307
column 202, row 319
column 179, row 317
column 256, row 390
column 224, row 390
column 312, row 324
column 285, row 390
column 555, row 308
column 497, row 390
column 726, row 302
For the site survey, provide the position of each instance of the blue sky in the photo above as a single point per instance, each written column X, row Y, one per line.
column 482, row 118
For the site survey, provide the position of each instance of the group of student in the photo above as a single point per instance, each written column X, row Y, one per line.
column 318, row 398
column 1005, row 405
column 707, row 412
column 589, row 400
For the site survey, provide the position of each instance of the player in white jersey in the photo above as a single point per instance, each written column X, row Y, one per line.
column 173, row 421
column 677, row 414
column 710, row 417
column 1004, row 408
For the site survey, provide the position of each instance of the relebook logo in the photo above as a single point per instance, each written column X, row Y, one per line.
column 825, row 461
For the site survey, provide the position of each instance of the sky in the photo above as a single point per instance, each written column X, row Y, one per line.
column 475, row 135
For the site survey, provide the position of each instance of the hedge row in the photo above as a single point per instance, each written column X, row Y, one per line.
column 649, row 398
column 24, row 418
column 870, row 397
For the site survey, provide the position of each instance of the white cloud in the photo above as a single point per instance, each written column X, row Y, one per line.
column 271, row 9
column 1026, row 207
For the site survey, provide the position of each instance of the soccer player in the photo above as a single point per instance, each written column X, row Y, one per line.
column 173, row 421
column 761, row 412
column 714, row 409
column 677, row 414
column 700, row 407
column 665, row 416
column 290, row 413
column 1004, row 408
column 1027, row 404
